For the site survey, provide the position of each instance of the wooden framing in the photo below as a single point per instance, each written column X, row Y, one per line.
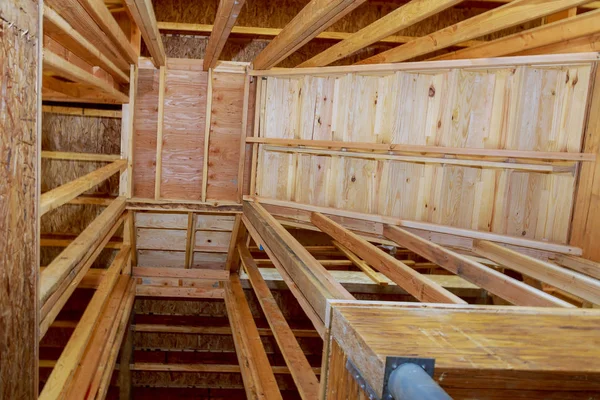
column 227, row 14
column 142, row 13
column 159, row 132
column 207, row 134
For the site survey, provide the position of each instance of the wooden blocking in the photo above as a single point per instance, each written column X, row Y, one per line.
column 542, row 350
column 410, row 280
column 225, row 19
column 570, row 281
column 301, row 371
column 314, row 281
column 314, row 18
column 180, row 273
column 67, row 192
column 259, row 381
column 206, row 291
column 509, row 289
column 59, row 269
column 20, row 138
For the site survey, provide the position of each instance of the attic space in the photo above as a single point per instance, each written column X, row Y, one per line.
column 299, row 199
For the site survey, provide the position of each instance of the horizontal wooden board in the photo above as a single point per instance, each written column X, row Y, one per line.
column 161, row 239
column 209, row 260
column 163, row 221
column 157, row 258
column 212, row 240
column 214, row 222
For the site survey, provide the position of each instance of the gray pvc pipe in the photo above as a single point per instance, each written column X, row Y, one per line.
column 411, row 382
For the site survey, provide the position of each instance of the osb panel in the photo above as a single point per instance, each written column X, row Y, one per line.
column 19, row 254
column 144, row 144
column 225, row 134
column 183, row 133
column 523, row 108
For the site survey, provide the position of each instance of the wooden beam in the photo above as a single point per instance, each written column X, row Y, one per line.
column 58, row 66
column 20, row 146
column 238, row 235
column 313, row 19
column 360, row 264
column 125, row 361
column 260, row 32
column 259, row 381
column 514, row 13
column 312, row 278
column 227, row 14
column 570, row 281
column 401, row 18
column 559, row 31
column 306, row 381
column 212, row 330
column 214, row 207
column 418, row 285
column 61, row 266
column 67, row 192
column 509, row 289
column 82, row 112
column 207, row 121
column 202, row 292
column 142, row 13
column 60, row 30
column 159, row 272
column 65, row 155
column 582, row 265
column 207, row 368
column 58, row 381
column 159, row 132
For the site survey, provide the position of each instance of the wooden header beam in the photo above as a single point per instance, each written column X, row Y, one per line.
column 226, row 18
column 514, row 13
column 313, row 19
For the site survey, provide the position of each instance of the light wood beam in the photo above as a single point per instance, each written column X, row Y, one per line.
column 63, row 194
column 582, row 265
column 162, row 81
column 259, row 381
column 514, row 13
column 570, row 281
column 225, row 19
column 407, row 278
column 360, row 264
column 199, row 292
column 143, row 15
column 60, row 30
column 559, row 31
column 305, row 379
column 61, row 266
column 58, row 66
column 509, row 289
column 65, row 155
column 57, row 384
column 402, row 17
column 162, row 272
column 313, row 19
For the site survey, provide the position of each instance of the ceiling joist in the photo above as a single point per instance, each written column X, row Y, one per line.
column 227, row 15
column 142, row 13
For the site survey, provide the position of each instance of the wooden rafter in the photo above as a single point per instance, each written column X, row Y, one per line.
column 487, row 278
column 142, row 13
column 559, row 31
column 225, row 19
column 313, row 19
column 514, row 13
column 410, row 280
column 402, row 17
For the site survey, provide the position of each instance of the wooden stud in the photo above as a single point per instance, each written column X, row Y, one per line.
column 227, row 14
column 189, row 243
column 301, row 371
column 159, row 132
column 509, row 289
column 238, row 235
column 242, row 165
column 414, row 283
column 260, row 100
column 207, row 135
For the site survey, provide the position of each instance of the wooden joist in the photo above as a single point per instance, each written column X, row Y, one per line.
column 226, row 17
column 60, row 268
column 65, row 155
column 514, row 13
column 410, row 280
column 570, row 281
column 559, row 31
column 259, row 381
column 487, row 278
column 206, row 291
column 360, row 264
column 83, row 84
column 313, row 19
column 142, row 13
column 57, row 384
column 206, row 368
column 212, row 330
column 83, row 112
column 306, row 381
column 67, row 192
column 582, row 265
column 313, row 280
column 60, row 30
column 402, row 17
column 182, row 273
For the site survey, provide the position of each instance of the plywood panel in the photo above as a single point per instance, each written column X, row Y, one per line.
column 225, row 135
column 144, row 143
column 183, row 132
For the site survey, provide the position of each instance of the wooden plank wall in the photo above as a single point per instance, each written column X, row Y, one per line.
column 518, row 108
column 183, row 130
column 20, row 116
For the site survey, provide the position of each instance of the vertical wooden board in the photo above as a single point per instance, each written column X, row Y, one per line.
column 323, row 109
column 144, row 144
column 386, row 108
column 458, row 197
column 274, row 179
column 282, row 107
column 313, row 183
column 356, row 184
column 361, row 110
column 209, row 260
column 183, row 133
column 158, row 258
column 555, row 216
column 225, row 135
column 20, row 134
column 398, row 193
column 308, row 99
column 342, row 90
column 214, row 222
column 249, row 132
